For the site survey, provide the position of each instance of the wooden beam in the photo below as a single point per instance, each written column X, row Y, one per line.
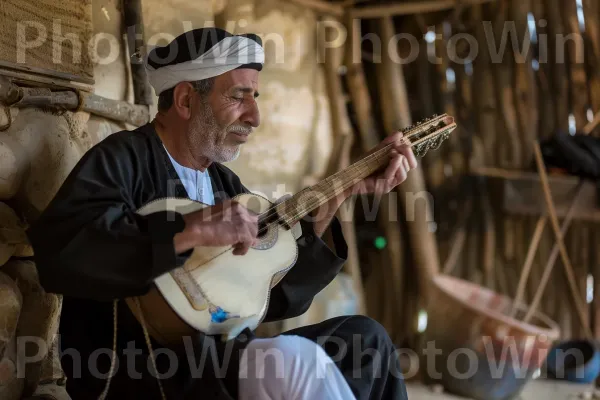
column 390, row 10
column 322, row 7
column 518, row 174
column 15, row 96
column 31, row 76
column 521, row 197
column 521, row 191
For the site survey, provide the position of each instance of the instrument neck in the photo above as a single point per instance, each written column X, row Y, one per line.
column 308, row 200
column 426, row 135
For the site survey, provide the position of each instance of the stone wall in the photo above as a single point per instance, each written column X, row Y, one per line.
column 38, row 149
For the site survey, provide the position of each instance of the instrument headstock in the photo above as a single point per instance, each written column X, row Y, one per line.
column 428, row 134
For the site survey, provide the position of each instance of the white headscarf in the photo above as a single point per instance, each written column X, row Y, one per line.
column 226, row 55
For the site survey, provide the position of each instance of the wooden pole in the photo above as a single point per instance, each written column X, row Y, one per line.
column 134, row 28
column 453, row 151
column 539, row 230
column 484, row 96
column 433, row 165
column 343, row 134
column 559, row 82
column 544, row 73
column 541, row 285
column 393, row 281
column 489, row 240
column 595, row 263
column 458, row 240
column 559, row 237
column 591, row 10
column 578, row 85
column 525, row 92
column 509, row 149
column 357, row 86
column 396, row 115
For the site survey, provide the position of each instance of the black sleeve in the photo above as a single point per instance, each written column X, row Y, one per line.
column 90, row 243
column 316, row 267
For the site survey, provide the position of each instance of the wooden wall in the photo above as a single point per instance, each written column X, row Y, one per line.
column 487, row 196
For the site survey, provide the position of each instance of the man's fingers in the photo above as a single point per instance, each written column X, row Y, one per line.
column 401, row 174
column 412, row 160
column 253, row 227
column 395, row 163
column 405, row 164
column 393, row 139
column 407, row 151
column 250, row 217
column 240, row 249
column 248, row 239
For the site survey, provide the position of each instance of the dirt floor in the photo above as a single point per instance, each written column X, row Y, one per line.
column 535, row 390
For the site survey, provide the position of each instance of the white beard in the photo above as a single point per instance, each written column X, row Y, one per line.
column 211, row 135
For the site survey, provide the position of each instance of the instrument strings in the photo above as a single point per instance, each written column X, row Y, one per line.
column 351, row 182
column 377, row 155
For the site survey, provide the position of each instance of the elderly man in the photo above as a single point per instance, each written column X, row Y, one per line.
column 93, row 248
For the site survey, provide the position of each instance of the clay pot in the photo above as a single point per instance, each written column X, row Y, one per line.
column 483, row 353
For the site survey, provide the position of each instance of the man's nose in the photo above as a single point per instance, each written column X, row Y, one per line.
column 252, row 115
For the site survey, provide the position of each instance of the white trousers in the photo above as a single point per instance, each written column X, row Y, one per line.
column 290, row 368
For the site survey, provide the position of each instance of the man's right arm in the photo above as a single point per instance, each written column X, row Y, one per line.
column 90, row 242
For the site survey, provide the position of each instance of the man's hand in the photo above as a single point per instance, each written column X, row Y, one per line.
column 225, row 224
column 402, row 160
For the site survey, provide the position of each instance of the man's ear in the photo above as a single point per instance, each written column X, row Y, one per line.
column 182, row 99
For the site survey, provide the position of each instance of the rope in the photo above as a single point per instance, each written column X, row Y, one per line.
column 81, row 100
column 113, row 358
column 149, row 344
column 114, row 355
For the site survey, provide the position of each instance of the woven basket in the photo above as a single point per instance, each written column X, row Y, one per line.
column 47, row 37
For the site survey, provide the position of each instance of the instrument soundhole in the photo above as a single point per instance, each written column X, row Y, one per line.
column 267, row 233
column 263, row 229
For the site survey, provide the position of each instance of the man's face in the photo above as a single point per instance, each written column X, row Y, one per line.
column 225, row 119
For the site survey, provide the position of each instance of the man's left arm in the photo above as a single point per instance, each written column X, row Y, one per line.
column 317, row 264
column 323, row 215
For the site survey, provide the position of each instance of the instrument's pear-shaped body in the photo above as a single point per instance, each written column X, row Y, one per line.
column 215, row 291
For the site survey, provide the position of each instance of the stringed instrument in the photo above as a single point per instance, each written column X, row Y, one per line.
column 219, row 293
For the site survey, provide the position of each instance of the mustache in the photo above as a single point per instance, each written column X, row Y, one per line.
column 244, row 129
